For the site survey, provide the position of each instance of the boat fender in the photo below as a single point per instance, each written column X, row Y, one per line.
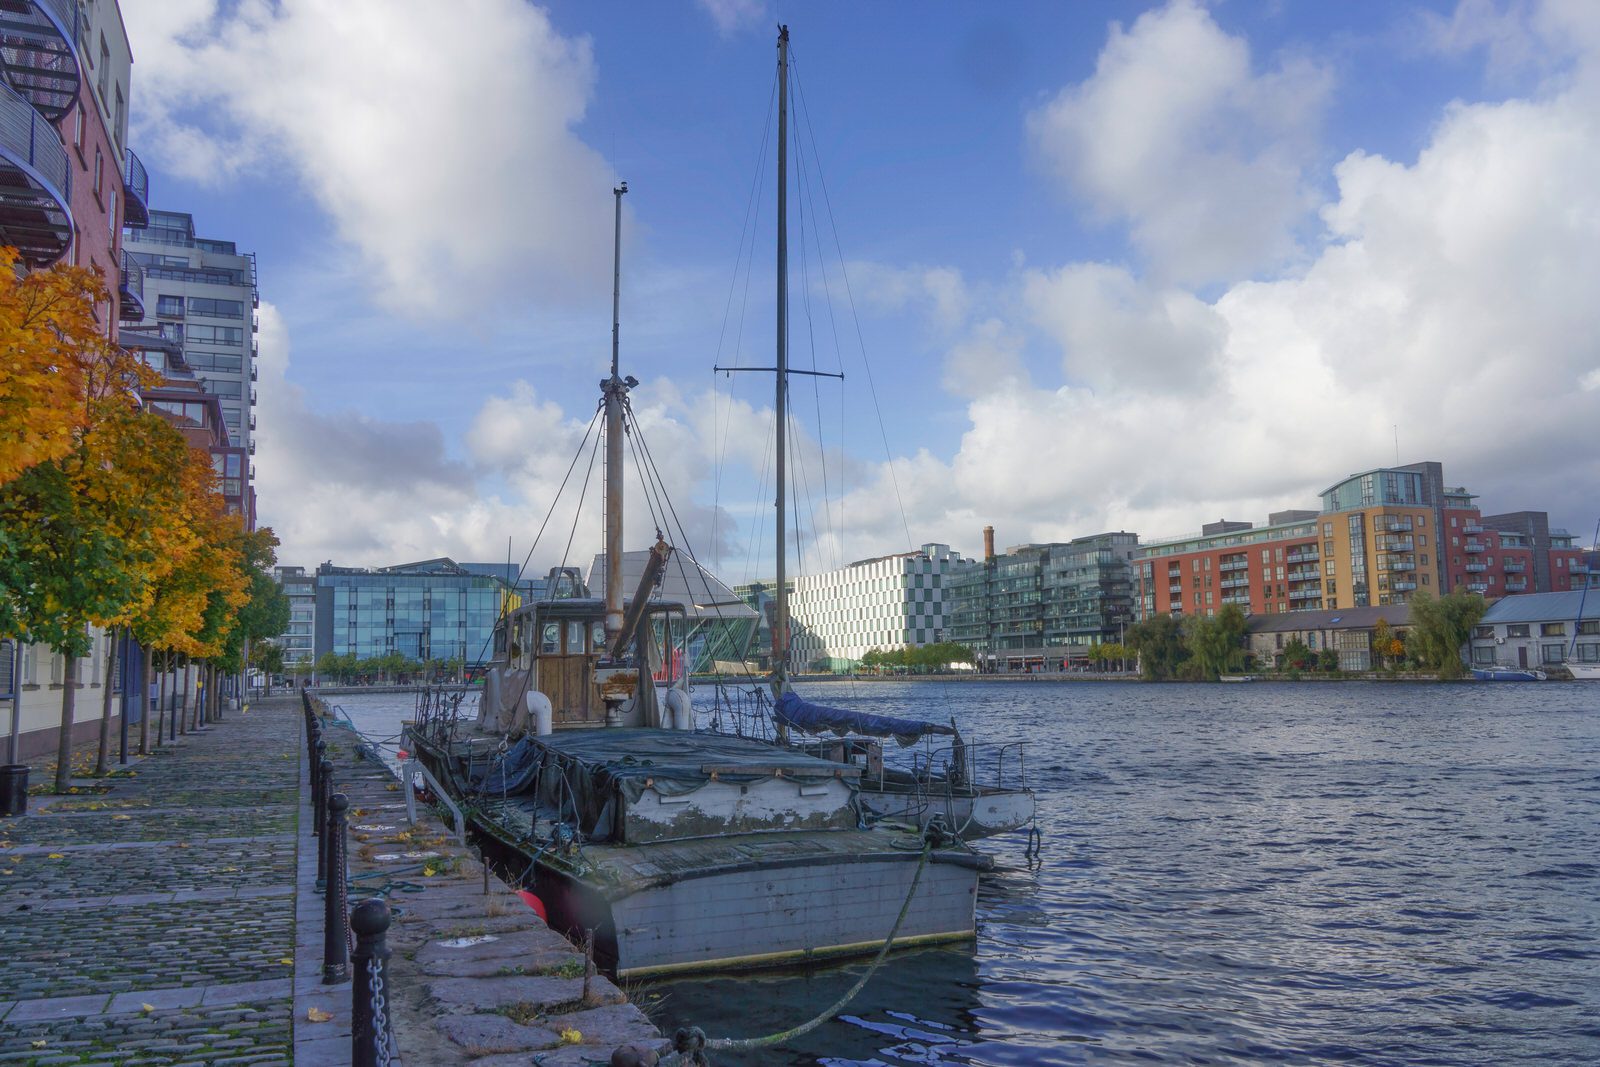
column 682, row 711
column 535, row 903
column 541, row 713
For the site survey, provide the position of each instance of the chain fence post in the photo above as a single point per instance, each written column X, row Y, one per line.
column 324, row 843
column 369, row 1010
column 336, row 913
column 319, row 756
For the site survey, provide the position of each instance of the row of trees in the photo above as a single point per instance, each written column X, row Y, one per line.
column 108, row 518
column 1200, row 648
column 918, row 659
column 390, row 667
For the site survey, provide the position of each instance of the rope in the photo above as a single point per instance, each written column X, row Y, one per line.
column 688, row 1041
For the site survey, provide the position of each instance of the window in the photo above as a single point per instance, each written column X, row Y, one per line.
column 118, row 126
column 1422, row 540
column 1424, row 559
column 99, row 172
column 169, row 305
column 1517, row 629
column 1589, row 627
column 1327, row 529
column 77, row 131
column 214, row 335
column 1552, row 629
column 227, row 309
column 105, row 69
column 1483, row 631
column 1329, row 567
column 222, row 387
column 1556, row 653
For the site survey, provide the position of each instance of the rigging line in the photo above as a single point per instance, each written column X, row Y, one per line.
column 752, row 221
column 578, row 511
column 683, row 533
column 548, row 513
column 630, row 432
column 872, row 387
column 811, row 337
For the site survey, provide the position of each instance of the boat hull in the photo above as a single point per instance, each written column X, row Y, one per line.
column 1507, row 674
column 1584, row 672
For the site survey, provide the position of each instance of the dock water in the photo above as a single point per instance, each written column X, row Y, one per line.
column 170, row 917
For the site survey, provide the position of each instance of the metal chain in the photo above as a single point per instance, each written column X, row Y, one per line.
column 380, row 1018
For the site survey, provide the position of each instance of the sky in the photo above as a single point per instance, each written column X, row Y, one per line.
column 1084, row 267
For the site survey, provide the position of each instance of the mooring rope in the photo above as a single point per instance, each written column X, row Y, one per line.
column 689, row 1042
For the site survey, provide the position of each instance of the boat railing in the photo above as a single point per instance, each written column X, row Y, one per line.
column 984, row 766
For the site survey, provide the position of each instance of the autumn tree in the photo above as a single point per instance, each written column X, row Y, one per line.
column 50, row 338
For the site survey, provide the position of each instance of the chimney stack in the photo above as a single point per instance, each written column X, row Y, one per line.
column 988, row 543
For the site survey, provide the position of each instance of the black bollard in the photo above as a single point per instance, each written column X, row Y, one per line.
column 319, row 756
column 321, row 815
column 369, row 993
column 336, row 914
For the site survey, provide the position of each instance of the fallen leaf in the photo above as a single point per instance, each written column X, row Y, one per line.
column 571, row 1037
column 287, row 961
column 116, row 817
column 317, row 1015
column 147, row 1008
column 55, row 856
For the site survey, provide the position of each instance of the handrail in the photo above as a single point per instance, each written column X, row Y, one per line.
column 31, row 136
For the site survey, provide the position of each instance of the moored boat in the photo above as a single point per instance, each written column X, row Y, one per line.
column 1500, row 673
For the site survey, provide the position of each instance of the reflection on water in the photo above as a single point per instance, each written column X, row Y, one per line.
column 1272, row 873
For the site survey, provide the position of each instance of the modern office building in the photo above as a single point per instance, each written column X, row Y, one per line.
column 201, row 293
column 299, row 640
column 1380, row 537
column 1043, row 606
column 433, row 609
column 886, row 603
column 720, row 625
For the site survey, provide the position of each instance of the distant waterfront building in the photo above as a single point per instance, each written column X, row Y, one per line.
column 200, row 294
column 299, row 640
column 887, row 603
column 1348, row 631
column 1041, row 606
column 1380, row 537
column 720, row 625
column 433, row 609
column 1542, row 630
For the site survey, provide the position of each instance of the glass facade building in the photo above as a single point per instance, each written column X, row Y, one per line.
column 435, row 609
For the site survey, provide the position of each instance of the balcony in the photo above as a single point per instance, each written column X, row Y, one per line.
column 1305, row 574
column 1516, row 585
column 1395, row 544
column 135, row 193
column 1303, row 556
column 252, row 398
column 1403, row 587
column 252, row 372
column 35, row 182
column 252, row 421
column 1235, row 583
column 1175, row 590
column 130, row 288
column 1308, row 593
column 1402, row 565
column 1477, row 568
column 1241, row 599
column 1474, row 546
column 1515, row 566
column 252, row 447
column 1477, row 587
column 1472, row 528
column 38, row 39
column 1233, row 565
column 1392, row 525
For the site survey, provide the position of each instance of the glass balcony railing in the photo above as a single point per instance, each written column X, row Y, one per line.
column 1474, row 546
column 41, row 55
column 130, row 289
column 1477, row 568
column 1477, row 587
column 135, row 193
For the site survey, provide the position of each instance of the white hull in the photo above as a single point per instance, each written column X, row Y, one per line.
column 1585, row 672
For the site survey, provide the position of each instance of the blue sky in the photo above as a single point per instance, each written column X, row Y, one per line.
column 1116, row 266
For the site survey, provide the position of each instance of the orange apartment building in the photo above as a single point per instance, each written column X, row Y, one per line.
column 1380, row 536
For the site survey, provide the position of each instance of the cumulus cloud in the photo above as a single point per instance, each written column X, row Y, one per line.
column 441, row 147
column 1176, row 135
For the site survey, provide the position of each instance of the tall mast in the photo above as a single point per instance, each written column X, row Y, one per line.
column 615, row 390
column 780, row 622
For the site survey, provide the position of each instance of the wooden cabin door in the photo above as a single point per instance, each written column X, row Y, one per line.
column 566, row 672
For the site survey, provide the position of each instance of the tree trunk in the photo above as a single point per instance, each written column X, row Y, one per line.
column 69, row 703
column 161, row 701
column 144, row 702
column 180, row 697
column 103, row 757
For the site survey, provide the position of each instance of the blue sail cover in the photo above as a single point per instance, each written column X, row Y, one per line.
column 810, row 718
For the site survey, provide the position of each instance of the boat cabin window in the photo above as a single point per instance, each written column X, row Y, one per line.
column 575, row 638
column 550, row 640
column 522, row 645
column 597, row 636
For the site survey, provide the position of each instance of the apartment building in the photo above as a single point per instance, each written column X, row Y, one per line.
column 299, row 640
column 1380, row 537
column 1043, row 606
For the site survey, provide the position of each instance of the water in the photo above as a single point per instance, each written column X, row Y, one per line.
column 1267, row 873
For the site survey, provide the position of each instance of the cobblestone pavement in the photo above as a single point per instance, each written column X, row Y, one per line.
column 155, row 923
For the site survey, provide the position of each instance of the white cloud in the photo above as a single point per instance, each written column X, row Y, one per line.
column 731, row 16
column 1174, row 134
column 440, row 144
column 939, row 290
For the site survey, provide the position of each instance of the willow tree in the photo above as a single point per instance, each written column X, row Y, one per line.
column 1441, row 628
